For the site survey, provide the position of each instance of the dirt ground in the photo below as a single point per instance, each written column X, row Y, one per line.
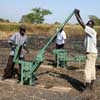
column 52, row 84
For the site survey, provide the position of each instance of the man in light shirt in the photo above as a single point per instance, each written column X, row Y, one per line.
column 90, row 44
column 60, row 40
column 17, row 39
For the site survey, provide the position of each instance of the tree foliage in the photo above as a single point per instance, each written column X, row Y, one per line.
column 36, row 16
column 95, row 18
column 4, row 20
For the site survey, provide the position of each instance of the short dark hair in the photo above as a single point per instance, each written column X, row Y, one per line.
column 90, row 21
column 22, row 27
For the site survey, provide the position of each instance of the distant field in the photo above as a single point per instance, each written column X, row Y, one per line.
column 7, row 29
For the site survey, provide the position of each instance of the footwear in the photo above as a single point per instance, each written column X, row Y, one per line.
column 5, row 77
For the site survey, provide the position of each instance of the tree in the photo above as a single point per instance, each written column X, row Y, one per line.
column 95, row 18
column 4, row 20
column 57, row 23
column 36, row 16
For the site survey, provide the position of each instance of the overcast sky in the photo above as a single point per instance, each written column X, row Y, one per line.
column 14, row 9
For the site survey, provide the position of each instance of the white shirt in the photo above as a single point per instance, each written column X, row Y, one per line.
column 61, row 38
column 90, row 41
column 18, row 39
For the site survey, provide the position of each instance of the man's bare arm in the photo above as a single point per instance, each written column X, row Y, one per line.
column 79, row 19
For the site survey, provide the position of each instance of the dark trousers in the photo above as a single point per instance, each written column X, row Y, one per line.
column 59, row 46
column 10, row 71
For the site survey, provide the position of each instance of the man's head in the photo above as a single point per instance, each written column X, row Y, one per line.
column 22, row 29
column 90, row 23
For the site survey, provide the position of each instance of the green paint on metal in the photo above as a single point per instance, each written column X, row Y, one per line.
column 28, row 69
column 61, row 57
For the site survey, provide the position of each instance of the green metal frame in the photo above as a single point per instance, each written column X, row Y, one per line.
column 62, row 58
column 28, row 69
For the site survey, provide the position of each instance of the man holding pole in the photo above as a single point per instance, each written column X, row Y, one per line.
column 90, row 44
column 17, row 39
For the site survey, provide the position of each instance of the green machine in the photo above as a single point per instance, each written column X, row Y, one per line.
column 60, row 57
column 28, row 69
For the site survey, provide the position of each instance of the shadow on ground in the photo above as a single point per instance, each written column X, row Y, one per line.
column 78, row 85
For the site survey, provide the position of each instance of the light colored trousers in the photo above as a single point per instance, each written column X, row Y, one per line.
column 90, row 69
